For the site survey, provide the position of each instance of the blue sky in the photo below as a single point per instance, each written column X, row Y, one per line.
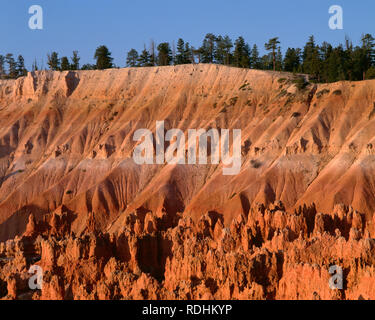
column 121, row 25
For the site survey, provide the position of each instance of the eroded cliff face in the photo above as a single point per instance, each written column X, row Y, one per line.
column 103, row 227
column 268, row 254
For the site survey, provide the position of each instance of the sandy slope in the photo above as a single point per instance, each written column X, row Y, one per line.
column 66, row 138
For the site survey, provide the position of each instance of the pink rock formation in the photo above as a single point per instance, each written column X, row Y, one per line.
column 73, row 201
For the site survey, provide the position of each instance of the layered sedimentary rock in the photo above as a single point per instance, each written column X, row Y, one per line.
column 268, row 254
column 73, row 201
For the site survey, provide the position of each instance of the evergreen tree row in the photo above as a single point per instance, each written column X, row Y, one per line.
column 324, row 63
column 11, row 68
column 63, row 64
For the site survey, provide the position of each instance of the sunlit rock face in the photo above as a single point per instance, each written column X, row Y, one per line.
column 74, row 202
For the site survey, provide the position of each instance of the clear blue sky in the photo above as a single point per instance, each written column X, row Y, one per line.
column 121, row 24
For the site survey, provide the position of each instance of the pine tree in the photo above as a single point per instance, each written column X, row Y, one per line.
column 208, row 48
column 271, row 45
column 359, row 58
column 65, row 65
column 188, row 53
column 334, row 65
column 279, row 60
column 21, row 70
column 144, row 59
column 292, row 60
column 349, row 63
column 164, row 54
column 219, row 54
column 103, row 58
column 2, row 66
column 369, row 52
column 308, row 51
column 181, row 54
column 241, row 54
column 75, row 61
column 223, row 50
column 53, row 61
column 312, row 63
column 12, row 66
column 132, row 58
column 267, row 62
column 255, row 60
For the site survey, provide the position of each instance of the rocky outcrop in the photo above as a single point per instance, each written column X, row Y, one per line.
column 268, row 254
column 73, row 201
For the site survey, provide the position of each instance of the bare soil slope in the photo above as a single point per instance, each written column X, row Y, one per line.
column 66, row 138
